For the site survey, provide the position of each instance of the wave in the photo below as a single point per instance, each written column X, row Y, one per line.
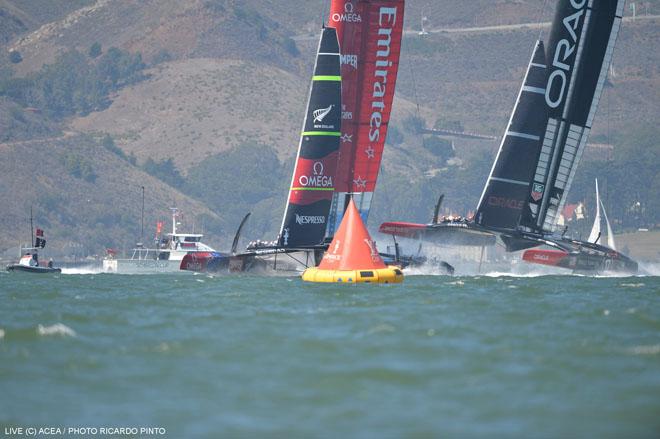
column 82, row 270
column 645, row 350
column 649, row 268
column 56, row 329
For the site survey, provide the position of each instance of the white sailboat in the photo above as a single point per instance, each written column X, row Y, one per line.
column 596, row 231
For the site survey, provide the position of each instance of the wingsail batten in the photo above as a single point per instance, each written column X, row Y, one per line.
column 580, row 52
column 312, row 185
column 370, row 33
column 508, row 186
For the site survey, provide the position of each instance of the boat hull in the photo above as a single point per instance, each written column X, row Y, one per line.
column 451, row 233
column 141, row 266
column 36, row 270
column 584, row 260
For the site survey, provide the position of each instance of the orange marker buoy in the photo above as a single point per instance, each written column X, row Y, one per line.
column 352, row 256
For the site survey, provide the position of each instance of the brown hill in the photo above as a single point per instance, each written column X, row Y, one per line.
column 191, row 29
column 82, row 193
column 226, row 72
column 195, row 108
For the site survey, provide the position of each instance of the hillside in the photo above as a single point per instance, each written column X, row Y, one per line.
column 224, row 76
column 190, row 109
column 73, row 181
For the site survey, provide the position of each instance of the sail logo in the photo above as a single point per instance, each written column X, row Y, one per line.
column 537, row 191
column 345, row 114
column 309, row 219
column 386, row 21
column 506, row 203
column 321, row 113
column 556, row 88
column 348, row 16
column 349, row 60
column 318, row 180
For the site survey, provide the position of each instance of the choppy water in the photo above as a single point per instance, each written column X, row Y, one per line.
column 250, row 356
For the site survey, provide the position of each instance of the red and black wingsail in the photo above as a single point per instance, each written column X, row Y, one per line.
column 313, row 182
column 552, row 119
column 508, row 186
column 369, row 33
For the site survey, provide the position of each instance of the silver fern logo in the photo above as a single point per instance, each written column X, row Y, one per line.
column 321, row 113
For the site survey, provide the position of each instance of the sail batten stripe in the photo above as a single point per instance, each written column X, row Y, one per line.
column 523, row 135
column 543, row 66
column 326, row 78
column 530, row 89
column 328, row 53
column 506, row 180
column 312, row 189
column 322, row 133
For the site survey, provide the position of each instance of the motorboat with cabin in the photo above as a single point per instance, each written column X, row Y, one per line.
column 167, row 256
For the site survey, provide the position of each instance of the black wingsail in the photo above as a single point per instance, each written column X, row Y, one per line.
column 580, row 51
column 551, row 121
column 508, row 186
column 312, row 185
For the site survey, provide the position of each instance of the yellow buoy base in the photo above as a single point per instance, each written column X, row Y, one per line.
column 389, row 275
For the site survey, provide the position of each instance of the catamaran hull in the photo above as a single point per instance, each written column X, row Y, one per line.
column 37, row 270
column 460, row 233
column 265, row 261
column 583, row 261
column 141, row 266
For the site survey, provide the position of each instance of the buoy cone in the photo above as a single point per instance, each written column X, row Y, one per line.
column 352, row 256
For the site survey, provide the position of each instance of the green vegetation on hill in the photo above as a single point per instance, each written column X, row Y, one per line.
column 629, row 179
column 214, row 88
column 248, row 178
column 75, row 84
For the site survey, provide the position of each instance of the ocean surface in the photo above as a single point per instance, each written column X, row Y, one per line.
column 199, row 356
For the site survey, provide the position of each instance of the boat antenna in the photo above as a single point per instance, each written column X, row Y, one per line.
column 174, row 215
column 31, row 229
column 142, row 218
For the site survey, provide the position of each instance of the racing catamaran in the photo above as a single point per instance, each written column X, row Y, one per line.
column 343, row 134
column 549, row 127
column 301, row 240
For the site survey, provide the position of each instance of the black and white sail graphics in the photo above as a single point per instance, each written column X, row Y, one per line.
column 579, row 55
column 507, row 189
column 312, row 185
column 551, row 121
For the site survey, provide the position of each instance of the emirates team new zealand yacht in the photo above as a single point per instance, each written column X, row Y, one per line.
column 343, row 134
column 173, row 253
